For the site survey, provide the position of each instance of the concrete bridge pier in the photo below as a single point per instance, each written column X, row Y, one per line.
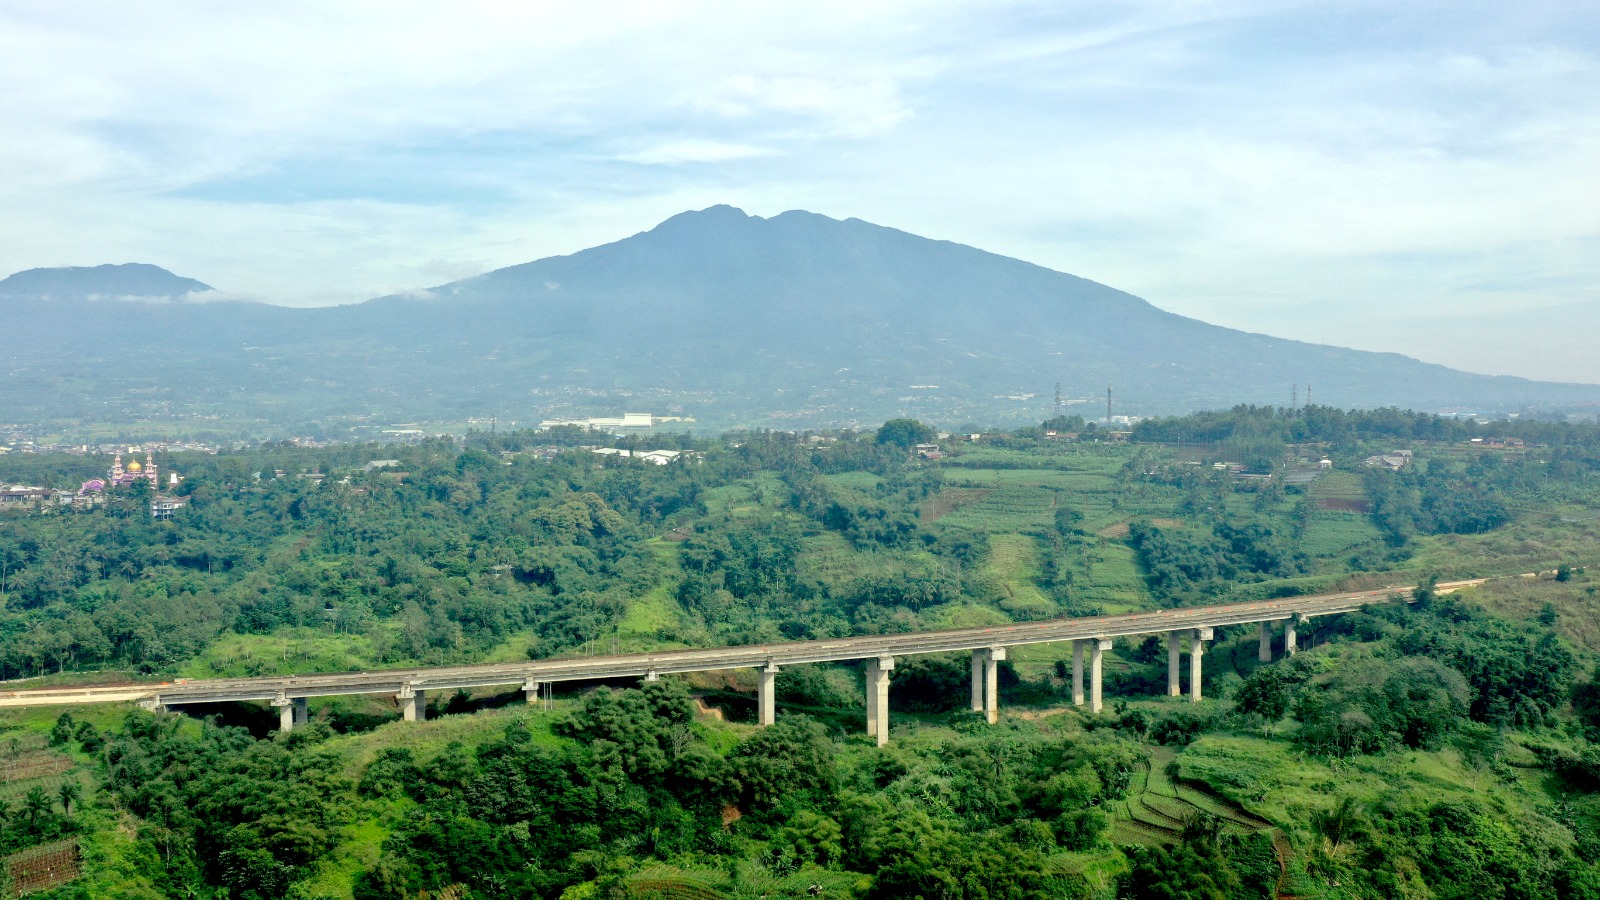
column 1096, row 663
column 530, row 691
column 878, row 669
column 1174, row 651
column 651, row 676
column 1289, row 635
column 991, row 683
column 977, row 680
column 292, row 712
column 1077, row 673
column 413, row 703
column 1264, row 654
column 766, row 695
column 1197, row 649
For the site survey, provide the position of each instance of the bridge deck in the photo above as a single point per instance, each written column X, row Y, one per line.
column 677, row 661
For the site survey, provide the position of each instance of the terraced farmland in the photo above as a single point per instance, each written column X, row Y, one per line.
column 1158, row 807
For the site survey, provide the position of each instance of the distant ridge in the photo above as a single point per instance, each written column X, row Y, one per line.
column 108, row 281
column 790, row 321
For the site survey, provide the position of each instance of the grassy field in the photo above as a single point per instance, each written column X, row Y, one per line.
column 1013, row 567
column 1332, row 533
column 286, row 650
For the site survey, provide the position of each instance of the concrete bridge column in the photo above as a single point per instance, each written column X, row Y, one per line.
column 301, row 710
column 1174, row 650
column 530, row 691
column 878, row 669
column 977, row 680
column 766, row 695
column 1289, row 636
column 1265, row 653
column 651, row 676
column 1096, row 661
column 1077, row 673
column 1197, row 649
column 872, row 695
column 413, row 703
column 285, row 712
column 991, row 683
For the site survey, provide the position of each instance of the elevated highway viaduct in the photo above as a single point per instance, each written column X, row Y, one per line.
column 1187, row 629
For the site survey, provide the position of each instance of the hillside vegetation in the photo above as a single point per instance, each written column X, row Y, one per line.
column 1442, row 749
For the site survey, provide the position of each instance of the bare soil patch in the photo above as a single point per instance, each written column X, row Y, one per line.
column 714, row 712
column 1344, row 504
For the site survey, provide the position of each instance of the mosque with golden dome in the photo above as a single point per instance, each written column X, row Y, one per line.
column 123, row 476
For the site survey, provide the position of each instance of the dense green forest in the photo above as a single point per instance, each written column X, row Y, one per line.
column 1442, row 749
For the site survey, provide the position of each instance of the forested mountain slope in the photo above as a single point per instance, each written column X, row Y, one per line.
column 730, row 318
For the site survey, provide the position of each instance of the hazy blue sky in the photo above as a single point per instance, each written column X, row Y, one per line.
column 1423, row 178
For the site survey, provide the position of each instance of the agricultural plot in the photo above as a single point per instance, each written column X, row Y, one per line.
column 1158, row 807
column 41, row 868
column 1008, row 508
column 672, row 883
column 29, row 757
column 855, row 481
column 828, row 557
column 1340, row 491
column 948, row 501
column 1334, row 534
column 1012, row 565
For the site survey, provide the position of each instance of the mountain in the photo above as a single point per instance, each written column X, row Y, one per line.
column 798, row 319
column 112, row 281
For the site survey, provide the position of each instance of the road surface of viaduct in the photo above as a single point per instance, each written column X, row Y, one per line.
column 1187, row 629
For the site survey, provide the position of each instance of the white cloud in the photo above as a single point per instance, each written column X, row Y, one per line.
column 673, row 153
column 1305, row 169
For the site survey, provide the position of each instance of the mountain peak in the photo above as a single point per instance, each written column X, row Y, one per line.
column 105, row 281
column 716, row 217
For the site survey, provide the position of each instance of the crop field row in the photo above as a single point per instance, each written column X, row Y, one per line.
column 829, row 558
column 32, row 764
column 1008, row 508
column 41, row 868
column 1335, row 534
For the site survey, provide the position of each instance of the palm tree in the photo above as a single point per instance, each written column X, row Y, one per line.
column 69, row 793
column 36, row 804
